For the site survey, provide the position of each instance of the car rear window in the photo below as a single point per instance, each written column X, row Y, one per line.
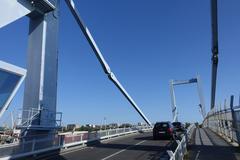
column 161, row 125
column 176, row 123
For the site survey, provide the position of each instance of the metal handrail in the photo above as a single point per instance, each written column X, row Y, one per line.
column 223, row 123
column 32, row 114
column 78, row 139
column 181, row 149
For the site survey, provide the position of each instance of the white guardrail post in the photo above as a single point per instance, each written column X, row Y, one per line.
column 171, row 154
column 66, row 140
column 104, row 134
column 181, row 149
column 224, row 121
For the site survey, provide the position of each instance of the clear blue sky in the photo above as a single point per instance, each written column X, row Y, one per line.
column 146, row 43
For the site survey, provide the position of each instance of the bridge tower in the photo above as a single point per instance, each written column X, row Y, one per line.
column 200, row 94
column 40, row 94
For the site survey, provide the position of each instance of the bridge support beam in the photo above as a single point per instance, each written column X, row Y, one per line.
column 42, row 65
column 173, row 98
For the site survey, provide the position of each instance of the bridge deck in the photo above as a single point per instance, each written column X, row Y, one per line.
column 209, row 146
column 138, row 146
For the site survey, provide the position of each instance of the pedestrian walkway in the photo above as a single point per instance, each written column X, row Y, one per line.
column 207, row 145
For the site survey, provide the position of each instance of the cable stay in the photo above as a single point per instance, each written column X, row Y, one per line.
column 214, row 23
column 101, row 59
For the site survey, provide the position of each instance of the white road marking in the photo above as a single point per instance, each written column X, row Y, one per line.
column 197, row 156
column 117, row 138
column 83, row 148
column 114, row 154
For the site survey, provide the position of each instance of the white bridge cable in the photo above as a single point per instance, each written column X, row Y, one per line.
column 214, row 24
column 173, row 102
column 101, row 59
column 201, row 97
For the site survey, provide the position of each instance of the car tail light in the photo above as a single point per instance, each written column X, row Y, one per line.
column 170, row 130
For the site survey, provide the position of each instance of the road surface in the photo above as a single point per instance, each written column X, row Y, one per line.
column 208, row 145
column 132, row 147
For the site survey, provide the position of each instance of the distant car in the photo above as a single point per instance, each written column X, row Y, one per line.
column 178, row 126
column 163, row 130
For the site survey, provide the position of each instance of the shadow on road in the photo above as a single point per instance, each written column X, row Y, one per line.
column 131, row 147
column 213, row 153
column 144, row 138
column 137, row 148
column 217, row 149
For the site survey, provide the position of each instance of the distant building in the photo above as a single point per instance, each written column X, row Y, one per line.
column 73, row 126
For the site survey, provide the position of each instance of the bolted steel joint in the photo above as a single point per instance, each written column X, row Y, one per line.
column 42, row 7
column 174, row 109
column 215, row 58
column 215, row 50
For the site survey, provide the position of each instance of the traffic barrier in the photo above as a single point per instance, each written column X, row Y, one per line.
column 225, row 121
column 62, row 141
column 181, row 149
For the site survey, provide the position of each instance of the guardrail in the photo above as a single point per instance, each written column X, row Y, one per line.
column 32, row 146
column 62, row 141
column 31, row 118
column 79, row 138
column 225, row 122
column 181, row 149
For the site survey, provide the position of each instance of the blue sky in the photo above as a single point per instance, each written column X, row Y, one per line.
column 146, row 43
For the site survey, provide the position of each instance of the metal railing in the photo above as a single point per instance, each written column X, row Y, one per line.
column 78, row 138
column 225, row 122
column 62, row 141
column 31, row 115
column 181, row 149
column 30, row 145
column 32, row 118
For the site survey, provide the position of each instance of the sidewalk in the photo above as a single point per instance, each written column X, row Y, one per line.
column 209, row 146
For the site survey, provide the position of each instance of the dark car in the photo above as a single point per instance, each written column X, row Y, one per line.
column 178, row 126
column 163, row 130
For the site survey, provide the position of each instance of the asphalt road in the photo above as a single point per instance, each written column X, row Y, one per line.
column 132, row 147
column 207, row 145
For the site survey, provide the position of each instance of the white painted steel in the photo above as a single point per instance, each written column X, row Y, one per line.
column 221, row 122
column 201, row 97
column 12, row 10
column 14, row 70
column 173, row 97
column 40, row 91
column 181, row 149
column 173, row 102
